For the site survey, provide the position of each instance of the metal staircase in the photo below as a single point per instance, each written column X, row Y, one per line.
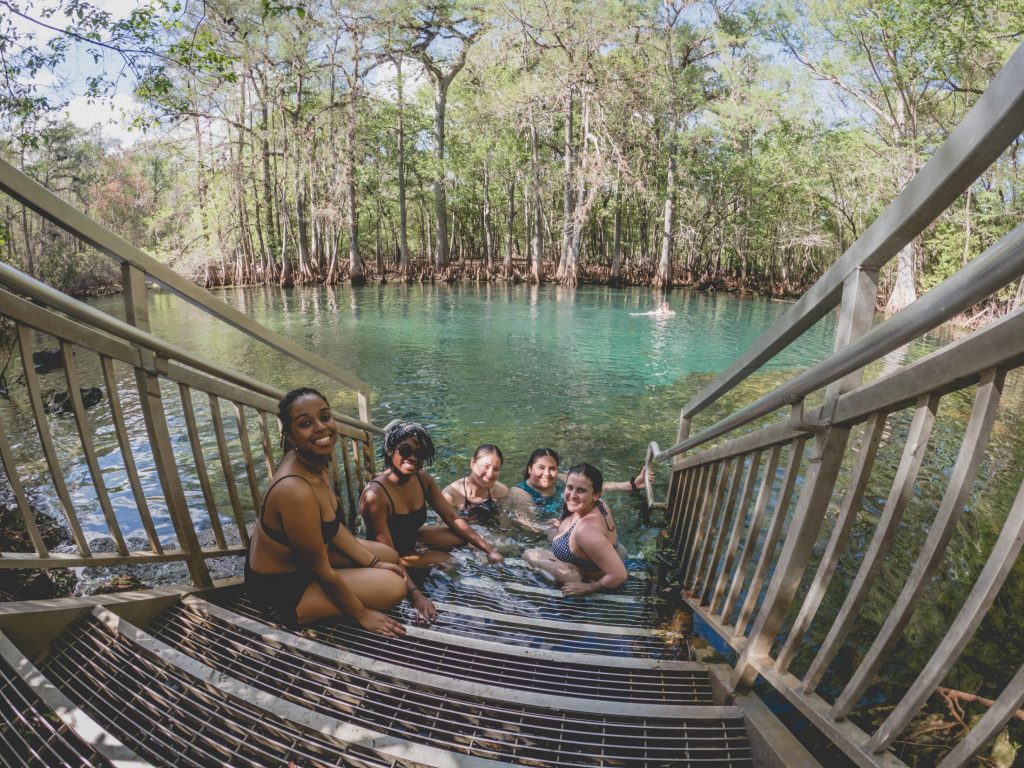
column 198, row 678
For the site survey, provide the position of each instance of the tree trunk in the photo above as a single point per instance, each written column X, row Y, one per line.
column 440, row 196
column 510, row 216
column 663, row 273
column 615, row 277
column 567, row 203
column 488, row 233
column 403, row 265
column 537, row 254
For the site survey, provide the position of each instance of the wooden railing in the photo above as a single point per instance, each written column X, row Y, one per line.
column 746, row 514
column 158, row 417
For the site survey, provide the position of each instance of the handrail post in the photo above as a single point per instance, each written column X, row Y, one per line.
column 151, row 401
column 856, row 313
column 855, row 316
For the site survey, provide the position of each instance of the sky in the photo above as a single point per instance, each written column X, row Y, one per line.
column 113, row 114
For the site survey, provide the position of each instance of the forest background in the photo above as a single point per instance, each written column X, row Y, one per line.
column 716, row 144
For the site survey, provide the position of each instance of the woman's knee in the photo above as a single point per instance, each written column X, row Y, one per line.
column 380, row 550
column 392, row 588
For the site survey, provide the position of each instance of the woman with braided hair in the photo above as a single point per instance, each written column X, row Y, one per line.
column 394, row 506
column 303, row 564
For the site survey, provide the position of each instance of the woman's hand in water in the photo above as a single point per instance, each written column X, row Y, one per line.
column 495, row 556
column 382, row 624
column 425, row 609
column 579, row 588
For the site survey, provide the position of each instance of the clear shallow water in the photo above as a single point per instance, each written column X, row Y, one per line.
column 581, row 372
column 578, row 370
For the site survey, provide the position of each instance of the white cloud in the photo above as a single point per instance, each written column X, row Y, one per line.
column 113, row 115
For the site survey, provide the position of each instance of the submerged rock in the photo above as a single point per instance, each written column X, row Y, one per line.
column 47, row 360
column 25, row 583
column 59, row 403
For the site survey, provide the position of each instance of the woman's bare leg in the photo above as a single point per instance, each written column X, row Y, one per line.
column 545, row 562
column 375, row 588
column 375, row 548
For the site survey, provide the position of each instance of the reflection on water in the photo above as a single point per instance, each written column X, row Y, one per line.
column 516, row 365
column 581, row 371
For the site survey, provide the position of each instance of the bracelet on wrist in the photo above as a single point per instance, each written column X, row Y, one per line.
column 632, row 483
column 373, row 562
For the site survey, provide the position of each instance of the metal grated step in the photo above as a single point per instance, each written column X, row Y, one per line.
column 488, row 663
column 174, row 720
column 31, row 734
column 542, row 603
column 499, row 728
column 517, row 631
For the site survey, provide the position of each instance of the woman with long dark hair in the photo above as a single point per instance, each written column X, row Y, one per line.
column 303, row 564
column 583, row 557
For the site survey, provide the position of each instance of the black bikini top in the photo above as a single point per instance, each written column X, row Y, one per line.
column 327, row 529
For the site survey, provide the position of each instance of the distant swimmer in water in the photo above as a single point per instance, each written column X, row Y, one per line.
column 662, row 311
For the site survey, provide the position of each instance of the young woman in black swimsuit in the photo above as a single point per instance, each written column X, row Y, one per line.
column 476, row 495
column 394, row 506
column 303, row 564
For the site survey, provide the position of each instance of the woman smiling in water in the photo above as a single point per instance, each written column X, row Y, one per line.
column 540, row 492
column 583, row 557
column 394, row 506
column 302, row 563
column 476, row 495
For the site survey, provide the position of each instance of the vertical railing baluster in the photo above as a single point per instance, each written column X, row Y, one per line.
column 712, row 479
column 972, row 450
column 723, row 517
column 739, row 519
column 844, row 522
column 24, row 509
column 885, row 531
column 676, row 508
column 1000, row 562
column 826, row 460
column 771, row 538
column 228, row 469
column 268, row 451
column 130, row 467
column 46, row 439
column 353, row 509
column 250, row 466
column 763, row 496
column 687, row 509
column 711, row 519
column 199, row 460
column 88, row 449
column 151, row 401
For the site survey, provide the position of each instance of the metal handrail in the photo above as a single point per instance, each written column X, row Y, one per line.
column 44, row 294
column 46, row 204
column 990, row 126
column 997, row 266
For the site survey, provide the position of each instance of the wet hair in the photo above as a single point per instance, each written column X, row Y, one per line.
column 397, row 431
column 539, row 453
column 488, row 448
column 593, row 474
column 589, row 471
column 284, row 412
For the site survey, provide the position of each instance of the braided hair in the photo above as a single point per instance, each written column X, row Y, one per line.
column 284, row 412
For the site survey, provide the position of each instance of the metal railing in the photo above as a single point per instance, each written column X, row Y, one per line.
column 746, row 514
column 139, row 414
